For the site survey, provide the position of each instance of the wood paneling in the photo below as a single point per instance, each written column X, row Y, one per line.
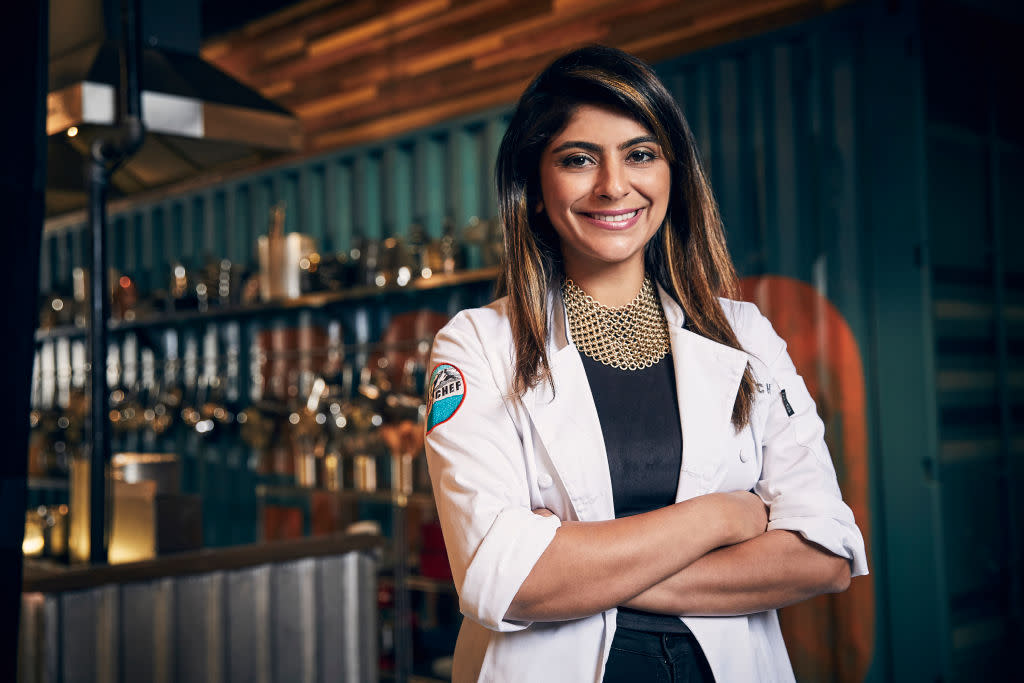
column 362, row 70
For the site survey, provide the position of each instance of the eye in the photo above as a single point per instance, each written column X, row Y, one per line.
column 577, row 161
column 641, row 156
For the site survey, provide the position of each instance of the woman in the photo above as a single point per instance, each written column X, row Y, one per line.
column 629, row 473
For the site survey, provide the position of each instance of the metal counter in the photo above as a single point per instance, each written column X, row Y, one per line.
column 303, row 610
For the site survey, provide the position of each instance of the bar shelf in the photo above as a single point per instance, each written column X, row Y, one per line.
column 316, row 300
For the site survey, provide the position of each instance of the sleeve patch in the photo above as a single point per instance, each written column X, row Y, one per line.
column 447, row 387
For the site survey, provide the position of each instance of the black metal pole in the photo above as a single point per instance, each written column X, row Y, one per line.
column 130, row 92
column 105, row 155
column 99, row 455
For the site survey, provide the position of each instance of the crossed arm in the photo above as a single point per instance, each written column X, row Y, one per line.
column 775, row 569
column 592, row 566
column 729, row 564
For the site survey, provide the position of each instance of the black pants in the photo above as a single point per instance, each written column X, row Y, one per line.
column 642, row 657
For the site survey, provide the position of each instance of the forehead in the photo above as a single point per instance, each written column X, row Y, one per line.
column 599, row 124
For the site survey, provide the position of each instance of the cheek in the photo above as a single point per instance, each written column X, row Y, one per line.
column 664, row 185
column 560, row 190
column 554, row 198
column 549, row 182
column 660, row 192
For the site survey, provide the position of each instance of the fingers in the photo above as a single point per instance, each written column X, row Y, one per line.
column 543, row 512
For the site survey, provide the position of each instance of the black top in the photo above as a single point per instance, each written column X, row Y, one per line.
column 639, row 414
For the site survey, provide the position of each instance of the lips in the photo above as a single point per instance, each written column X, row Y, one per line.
column 614, row 219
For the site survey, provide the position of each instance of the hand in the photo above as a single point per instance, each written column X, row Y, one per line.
column 745, row 513
column 543, row 512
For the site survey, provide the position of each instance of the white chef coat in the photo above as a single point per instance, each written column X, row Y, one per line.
column 499, row 456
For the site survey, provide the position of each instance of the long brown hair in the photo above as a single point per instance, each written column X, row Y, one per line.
column 687, row 256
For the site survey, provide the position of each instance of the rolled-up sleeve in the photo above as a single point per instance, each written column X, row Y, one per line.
column 477, row 468
column 798, row 480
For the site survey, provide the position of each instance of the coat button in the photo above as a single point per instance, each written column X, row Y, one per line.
column 744, row 455
column 544, row 480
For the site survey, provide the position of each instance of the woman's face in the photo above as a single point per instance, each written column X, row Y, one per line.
column 605, row 186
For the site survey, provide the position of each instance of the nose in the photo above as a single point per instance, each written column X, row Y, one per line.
column 612, row 182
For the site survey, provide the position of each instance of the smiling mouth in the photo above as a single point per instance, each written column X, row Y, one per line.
column 621, row 217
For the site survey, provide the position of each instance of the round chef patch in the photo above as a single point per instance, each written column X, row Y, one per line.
column 447, row 390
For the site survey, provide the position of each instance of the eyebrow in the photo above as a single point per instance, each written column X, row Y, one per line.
column 591, row 147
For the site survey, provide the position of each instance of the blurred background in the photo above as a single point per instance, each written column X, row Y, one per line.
column 313, row 200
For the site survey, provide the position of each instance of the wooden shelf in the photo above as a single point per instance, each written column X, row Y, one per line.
column 390, row 676
column 383, row 496
column 60, row 331
column 423, row 584
column 48, row 483
column 427, row 585
column 305, row 302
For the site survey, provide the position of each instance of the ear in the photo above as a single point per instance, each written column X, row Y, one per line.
column 540, row 206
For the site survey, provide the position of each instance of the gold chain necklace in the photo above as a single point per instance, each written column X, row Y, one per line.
column 631, row 337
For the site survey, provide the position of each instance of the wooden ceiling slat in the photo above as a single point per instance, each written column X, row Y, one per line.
column 348, row 36
column 365, row 70
column 417, row 11
column 308, row 28
column 384, row 49
column 473, row 16
column 284, row 49
column 635, row 18
column 358, row 70
column 320, row 66
column 568, row 5
column 398, row 123
column 375, row 27
column 452, row 83
column 495, row 23
column 329, row 105
column 278, row 89
column 459, row 52
column 559, row 41
column 414, row 59
column 277, row 20
column 564, row 19
column 335, row 17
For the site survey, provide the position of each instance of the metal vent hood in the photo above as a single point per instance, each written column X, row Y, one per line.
column 198, row 119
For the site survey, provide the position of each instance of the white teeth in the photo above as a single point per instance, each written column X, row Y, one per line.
column 621, row 218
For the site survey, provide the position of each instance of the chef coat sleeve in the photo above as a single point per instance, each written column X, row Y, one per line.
column 478, row 472
column 798, row 480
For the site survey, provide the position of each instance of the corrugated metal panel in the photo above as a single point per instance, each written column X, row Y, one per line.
column 307, row 620
column 248, row 624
